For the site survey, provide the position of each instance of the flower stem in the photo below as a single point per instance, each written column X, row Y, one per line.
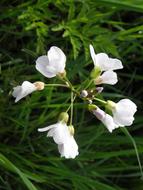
column 71, row 86
column 60, row 85
column 72, row 100
column 90, row 82
column 101, row 101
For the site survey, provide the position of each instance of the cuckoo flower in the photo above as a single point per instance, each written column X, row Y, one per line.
column 62, row 136
column 26, row 88
column 104, row 63
column 123, row 111
column 51, row 64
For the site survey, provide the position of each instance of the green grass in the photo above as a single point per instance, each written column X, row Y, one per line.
column 28, row 159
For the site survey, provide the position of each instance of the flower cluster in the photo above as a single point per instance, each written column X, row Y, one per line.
column 117, row 115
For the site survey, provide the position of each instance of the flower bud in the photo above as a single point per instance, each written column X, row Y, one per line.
column 99, row 89
column 64, row 117
column 83, row 94
column 90, row 101
column 39, row 85
column 71, row 129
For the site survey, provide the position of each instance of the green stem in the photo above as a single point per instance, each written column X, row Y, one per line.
column 70, row 104
column 60, row 85
column 101, row 101
column 71, row 86
column 72, row 100
column 90, row 82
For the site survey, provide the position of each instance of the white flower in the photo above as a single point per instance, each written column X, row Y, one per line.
column 66, row 143
column 106, row 119
column 51, row 64
column 123, row 112
column 108, row 77
column 23, row 90
column 105, row 63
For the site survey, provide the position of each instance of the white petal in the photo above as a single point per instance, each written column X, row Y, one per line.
column 115, row 64
column 109, row 77
column 92, row 53
column 57, row 59
column 16, row 91
column 106, row 119
column 42, row 65
column 47, row 128
column 109, row 122
column 61, row 149
column 69, row 149
column 124, row 111
column 102, row 61
column 131, row 106
column 105, row 63
column 61, row 134
column 58, row 131
column 100, row 114
column 23, row 90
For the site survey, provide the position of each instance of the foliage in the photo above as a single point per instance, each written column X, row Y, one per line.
column 28, row 28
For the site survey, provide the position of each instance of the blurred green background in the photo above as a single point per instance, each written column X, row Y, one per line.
column 29, row 160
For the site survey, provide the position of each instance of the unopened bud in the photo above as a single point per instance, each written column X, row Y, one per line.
column 64, row 117
column 99, row 89
column 39, row 85
column 71, row 129
column 90, row 101
column 83, row 94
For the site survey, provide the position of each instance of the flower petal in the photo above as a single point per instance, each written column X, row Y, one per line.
column 109, row 122
column 105, row 118
column 58, row 131
column 102, row 61
column 109, row 77
column 60, row 134
column 57, row 59
column 115, row 64
column 23, row 90
column 16, row 91
column 124, row 111
column 105, row 63
column 47, row 128
column 69, row 149
column 92, row 53
column 42, row 65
